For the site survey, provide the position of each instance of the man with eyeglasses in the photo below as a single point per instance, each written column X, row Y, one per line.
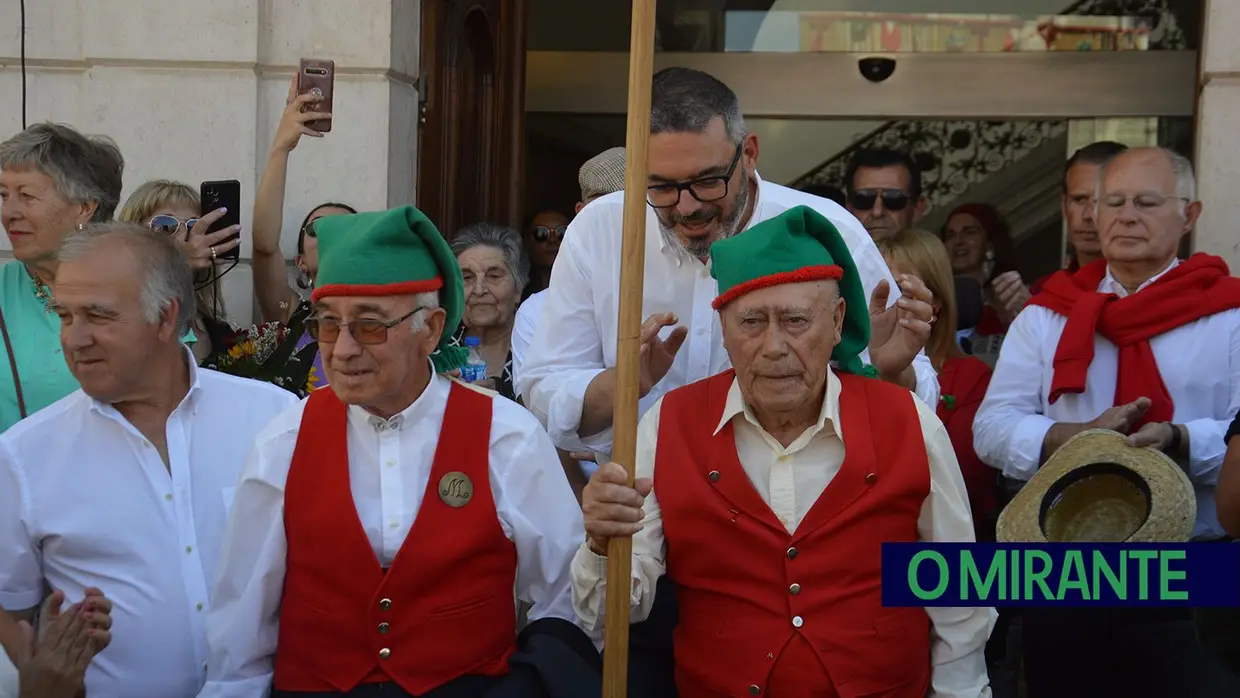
column 1142, row 343
column 384, row 530
column 703, row 186
column 884, row 190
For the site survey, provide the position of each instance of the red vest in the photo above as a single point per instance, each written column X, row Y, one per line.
column 765, row 612
column 445, row 607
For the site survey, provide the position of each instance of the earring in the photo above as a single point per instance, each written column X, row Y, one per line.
column 81, row 227
column 303, row 280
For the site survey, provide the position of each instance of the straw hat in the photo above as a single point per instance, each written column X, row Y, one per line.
column 1098, row 489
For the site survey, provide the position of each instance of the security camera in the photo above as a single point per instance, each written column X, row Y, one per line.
column 876, row 69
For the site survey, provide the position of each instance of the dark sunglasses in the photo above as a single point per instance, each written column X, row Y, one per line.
column 363, row 331
column 542, row 233
column 168, row 225
column 893, row 199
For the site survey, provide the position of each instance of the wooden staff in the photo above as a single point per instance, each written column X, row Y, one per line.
column 628, row 344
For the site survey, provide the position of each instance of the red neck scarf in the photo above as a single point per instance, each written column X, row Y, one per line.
column 1196, row 288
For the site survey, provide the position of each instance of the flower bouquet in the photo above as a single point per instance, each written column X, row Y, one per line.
column 269, row 352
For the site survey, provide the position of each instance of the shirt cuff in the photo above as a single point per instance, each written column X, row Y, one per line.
column 1024, row 454
column 20, row 600
column 564, row 415
column 1206, row 450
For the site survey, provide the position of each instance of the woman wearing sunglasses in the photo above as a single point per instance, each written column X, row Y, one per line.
column 172, row 208
column 543, row 235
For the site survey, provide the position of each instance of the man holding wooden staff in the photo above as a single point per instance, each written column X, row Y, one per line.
column 765, row 492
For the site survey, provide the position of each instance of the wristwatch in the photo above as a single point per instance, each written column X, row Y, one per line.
column 1176, row 438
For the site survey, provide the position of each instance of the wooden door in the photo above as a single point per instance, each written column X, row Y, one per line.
column 472, row 128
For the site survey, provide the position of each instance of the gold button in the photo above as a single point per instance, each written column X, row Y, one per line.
column 385, row 604
column 794, row 589
column 871, row 479
column 754, row 690
column 714, row 476
column 384, row 628
column 385, row 653
column 792, row 552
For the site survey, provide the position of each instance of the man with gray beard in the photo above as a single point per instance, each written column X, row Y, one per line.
column 703, row 186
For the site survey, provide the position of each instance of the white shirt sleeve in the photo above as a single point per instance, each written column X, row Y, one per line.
column 1207, row 438
column 244, row 623
column 567, row 350
column 537, row 507
column 589, row 571
column 21, row 565
column 1010, row 425
column 958, row 635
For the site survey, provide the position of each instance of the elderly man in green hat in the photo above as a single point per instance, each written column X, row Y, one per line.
column 380, row 528
column 765, row 493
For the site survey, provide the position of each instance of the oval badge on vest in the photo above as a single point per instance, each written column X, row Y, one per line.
column 456, row 489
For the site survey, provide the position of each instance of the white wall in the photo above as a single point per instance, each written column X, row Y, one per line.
column 1218, row 139
column 193, row 91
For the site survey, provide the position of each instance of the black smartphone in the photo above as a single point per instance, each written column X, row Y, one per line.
column 223, row 194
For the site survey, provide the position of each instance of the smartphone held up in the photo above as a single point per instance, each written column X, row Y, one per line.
column 317, row 77
column 225, row 194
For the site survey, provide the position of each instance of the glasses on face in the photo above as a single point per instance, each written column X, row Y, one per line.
column 168, row 225
column 363, row 331
column 704, row 189
column 1147, row 202
column 543, row 233
column 864, row 199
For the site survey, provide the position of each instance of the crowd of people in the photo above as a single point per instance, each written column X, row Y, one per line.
column 321, row 506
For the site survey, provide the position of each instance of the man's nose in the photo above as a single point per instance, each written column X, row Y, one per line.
column 687, row 205
column 75, row 335
column 877, row 210
column 346, row 345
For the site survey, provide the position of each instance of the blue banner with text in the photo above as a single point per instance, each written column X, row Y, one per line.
column 1061, row 574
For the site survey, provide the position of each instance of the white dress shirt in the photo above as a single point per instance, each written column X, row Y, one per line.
column 389, row 468
column 523, row 327
column 87, row 501
column 790, row 480
column 575, row 339
column 1200, row 365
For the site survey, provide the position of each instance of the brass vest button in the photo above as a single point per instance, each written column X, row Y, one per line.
column 714, row 476
column 794, row 589
column 385, row 653
column 384, row 628
column 754, row 690
column 792, row 552
column 871, row 479
column 385, row 604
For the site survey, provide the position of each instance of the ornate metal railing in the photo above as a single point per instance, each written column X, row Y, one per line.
column 955, row 155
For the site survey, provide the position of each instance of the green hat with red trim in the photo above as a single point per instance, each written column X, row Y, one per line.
column 392, row 253
column 796, row 246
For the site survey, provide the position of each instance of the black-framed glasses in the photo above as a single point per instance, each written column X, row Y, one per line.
column 704, row 189
column 166, row 224
column 864, row 199
column 363, row 331
column 542, row 233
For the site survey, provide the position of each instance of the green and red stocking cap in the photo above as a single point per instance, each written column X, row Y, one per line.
column 392, row 253
column 796, row 246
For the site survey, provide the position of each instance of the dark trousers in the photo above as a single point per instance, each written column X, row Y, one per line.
column 652, row 666
column 1119, row 653
column 465, row 687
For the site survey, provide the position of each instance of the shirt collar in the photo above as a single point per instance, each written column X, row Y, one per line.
column 828, row 414
column 190, row 399
column 678, row 254
column 1111, row 285
column 430, row 401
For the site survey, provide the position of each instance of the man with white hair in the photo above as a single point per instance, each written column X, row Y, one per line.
column 124, row 485
column 1142, row 343
column 385, row 529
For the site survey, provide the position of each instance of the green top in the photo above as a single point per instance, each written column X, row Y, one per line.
column 35, row 333
column 798, row 245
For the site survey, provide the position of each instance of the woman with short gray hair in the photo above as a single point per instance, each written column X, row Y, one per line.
column 53, row 181
column 495, row 269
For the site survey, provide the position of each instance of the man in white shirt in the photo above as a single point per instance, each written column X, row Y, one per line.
column 125, row 484
column 704, row 186
column 1142, row 343
column 777, row 483
column 385, row 528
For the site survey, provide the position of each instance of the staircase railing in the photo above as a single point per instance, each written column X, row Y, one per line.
column 954, row 155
